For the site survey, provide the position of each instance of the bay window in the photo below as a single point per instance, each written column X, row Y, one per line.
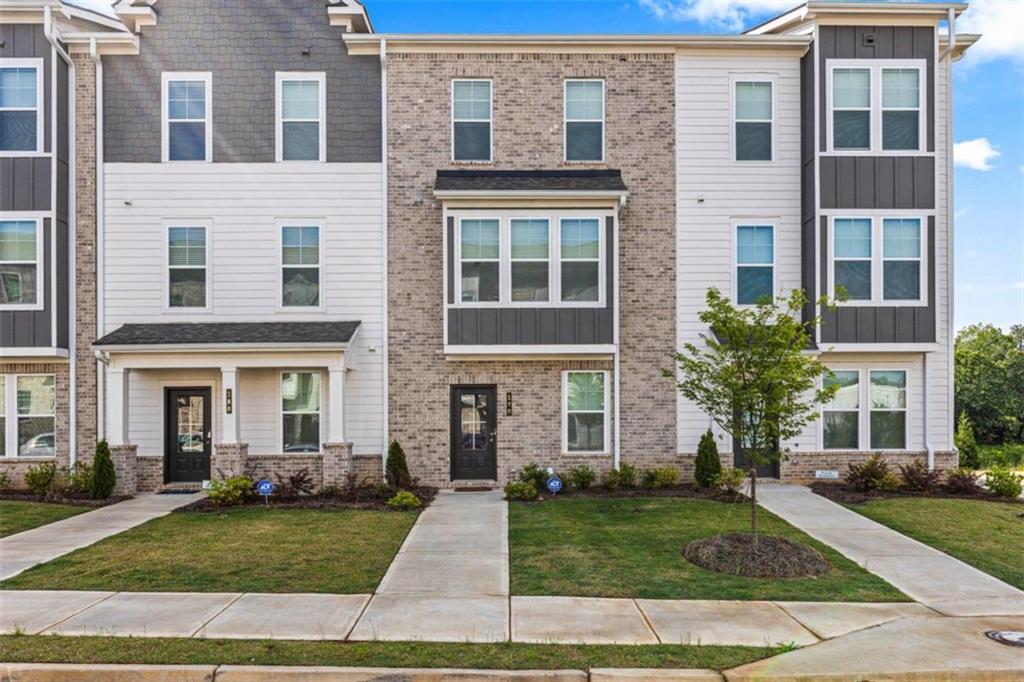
column 300, row 411
column 580, row 259
column 481, row 261
column 530, row 259
column 585, row 403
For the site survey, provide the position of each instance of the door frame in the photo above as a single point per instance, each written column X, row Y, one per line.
column 737, row 449
column 207, row 391
column 452, row 421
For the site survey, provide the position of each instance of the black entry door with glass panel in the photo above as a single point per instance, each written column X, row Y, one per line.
column 474, row 433
column 188, row 436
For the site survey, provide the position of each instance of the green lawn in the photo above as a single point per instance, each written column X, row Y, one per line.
column 634, row 548
column 241, row 550
column 16, row 516
column 987, row 535
column 56, row 649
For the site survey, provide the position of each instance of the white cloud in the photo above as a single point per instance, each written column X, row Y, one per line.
column 731, row 15
column 976, row 154
column 1001, row 25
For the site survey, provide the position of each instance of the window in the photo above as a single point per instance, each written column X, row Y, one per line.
column 480, row 255
column 21, row 242
column 585, row 400
column 901, row 108
column 21, row 111
column 186, row 267
column 27, row 415
column 876, row 106
column 581, row 259
column 301, row 111
column 755, row 263
column 852, row 257
column 3, row 415
column 888, row 409
column 901, row 259
column 300, row 266
column 841, row 417
column 584, row 120
column 529, row 257
column 851, row 108
column 753, row 126
column 300, row 411
column 471, row 120
column 187, row 134
column 879, row 260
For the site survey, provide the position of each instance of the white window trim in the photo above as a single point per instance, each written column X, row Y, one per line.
column 877, row 245
column 281, row 412
column 207, row 225
column 490, row 119
column 875, row 66
column 512, row 261
column 864, row 411
column 753, row 222
column 166, row 77
column 565, row 412
column 11, row 416
column 318, row 77
column 39, row 65
column 280, row 224
column 752, row 78
column 554, row 219
column 566, row 120
column 39, row 262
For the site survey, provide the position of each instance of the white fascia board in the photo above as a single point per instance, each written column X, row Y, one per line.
column 529, row 194
column 529, row 352
column 28, row 353
column 880, row 348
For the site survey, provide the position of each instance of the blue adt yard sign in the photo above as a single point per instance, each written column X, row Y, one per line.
column 554, row 484
column 264, row 487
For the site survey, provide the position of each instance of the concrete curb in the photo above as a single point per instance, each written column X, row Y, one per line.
column 96, row 672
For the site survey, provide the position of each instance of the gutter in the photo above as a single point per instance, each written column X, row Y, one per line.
column 951, row 20
column 385, row 392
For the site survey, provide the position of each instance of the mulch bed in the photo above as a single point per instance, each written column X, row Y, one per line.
column 772, row 557
column 367, row 498
column 84, row 501
column 687, row 490
column 845, row 494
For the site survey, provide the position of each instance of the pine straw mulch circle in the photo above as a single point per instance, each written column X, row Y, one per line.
column 773, row 557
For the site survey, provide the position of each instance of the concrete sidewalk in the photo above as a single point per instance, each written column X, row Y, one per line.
column 24, row 550
column 925, row 574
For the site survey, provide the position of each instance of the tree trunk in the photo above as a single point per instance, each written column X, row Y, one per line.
column 753, row 503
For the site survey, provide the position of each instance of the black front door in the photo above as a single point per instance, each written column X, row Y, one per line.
column 474, row 422
column 741, row 461
column 187, row 447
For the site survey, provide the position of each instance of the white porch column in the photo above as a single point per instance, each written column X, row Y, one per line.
column 117, row 387
column 336, row 407
column 229, row 405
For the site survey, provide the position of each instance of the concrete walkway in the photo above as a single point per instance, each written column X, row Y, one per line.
column 24, row 550
column 925, row 574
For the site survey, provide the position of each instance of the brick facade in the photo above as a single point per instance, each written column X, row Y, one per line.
column 527, row 134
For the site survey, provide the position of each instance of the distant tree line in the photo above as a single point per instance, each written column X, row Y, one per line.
column 989, row 372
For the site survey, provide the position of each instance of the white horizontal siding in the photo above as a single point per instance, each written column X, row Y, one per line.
column 940, row 364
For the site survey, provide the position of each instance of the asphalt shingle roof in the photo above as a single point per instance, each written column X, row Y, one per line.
column 536, row 180
column 185, row 333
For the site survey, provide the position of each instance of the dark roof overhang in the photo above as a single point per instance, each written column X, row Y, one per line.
column 200, row 335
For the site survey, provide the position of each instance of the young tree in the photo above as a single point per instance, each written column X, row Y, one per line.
column 965, row 443
column 753, row 375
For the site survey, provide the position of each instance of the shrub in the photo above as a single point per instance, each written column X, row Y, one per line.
column 665, row 477
column 60, row 485
column 231, row 491
column 532, row 473
column 965, row 443
column 396, row 470
column 872, row 474
column 707, row 465
column 582, row 476
column 648, row 479
column 730, row 479
column 522, row 491
column 611, row 480
column 1004, row 482
column 80, row 478
column 40, row 477
column 916, row 476
column 331, row 490
column 627, row 475
column 962, row 482
column 292, row 486
column 103, row 479
column 404, row 500
column 5, row 479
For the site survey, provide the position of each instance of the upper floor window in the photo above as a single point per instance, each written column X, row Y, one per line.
column 471, row 120
column 530, row 259
column 852, row 257
column 27, row 408
column 879, row 260
column 186, row 267
column 876, row 106
column 755, row 263
column 21, row 110
column 581, row 259
column 187, row 134
column 754, row 114
column 301, row 112
column 300, row 266
column 300, row 411
column 585, row 412
column 584, row 120
column 480, row 254
column 21, row 243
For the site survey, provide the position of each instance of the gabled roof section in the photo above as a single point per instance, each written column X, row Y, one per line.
column 136, row 13
column 350, row 14
column 802, row 18
column 80, row 29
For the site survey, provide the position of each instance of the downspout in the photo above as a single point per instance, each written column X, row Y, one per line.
column 385, row 425
column 950, row 226
column 616, row 450
column 101, row 376
column 951, row 21
column 927, row 431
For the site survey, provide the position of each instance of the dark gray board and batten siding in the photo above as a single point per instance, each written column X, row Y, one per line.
column 542, row 325
column 242, row 43
column 25, row 185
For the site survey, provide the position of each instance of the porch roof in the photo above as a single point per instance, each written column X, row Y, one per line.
column 561, row 180
column 326, row 335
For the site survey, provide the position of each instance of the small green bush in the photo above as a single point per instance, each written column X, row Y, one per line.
column 627, row 475
column 1004, row 482
column 103, row 479
column 965, row 443
column 582, row 476
column 231, row 491
column 648, row 480
column 1008, row 455
column 730, row 479
column 873, row 474
column 79, row 478
column 5, row 479
column 397, row 470
column 522, row 491
column 536, row 474
column 404, row 501
column 665, row 477
column 707, row 465
column 611, row 480
column 917, row 478
column 962, row 481
column 39, row 478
